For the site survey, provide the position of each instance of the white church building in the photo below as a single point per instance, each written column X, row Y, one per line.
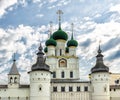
column 57, row 76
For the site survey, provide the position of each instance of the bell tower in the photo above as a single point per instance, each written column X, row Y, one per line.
column 13, row 76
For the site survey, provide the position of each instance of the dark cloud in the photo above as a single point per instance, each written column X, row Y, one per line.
column 85, row 43
column 114, row 55
column 111, row 44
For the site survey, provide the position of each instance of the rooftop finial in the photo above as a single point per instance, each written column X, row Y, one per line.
column 40, row 47
column 51, row 28
column 14, row 57
column 99, row 50
column 59, row 12
column 72, row 26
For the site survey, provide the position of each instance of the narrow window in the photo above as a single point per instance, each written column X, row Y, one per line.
column 70, row 88
column 15, row 80
column 54, row 74
column 62, row 89
column 55, row 52
column 78, row 88
column 71, row 74
column 40, row 87
column 105, row 89
column 11, row 79
column 62, row 74
column 54, row 89
column 85, row 88
column 60, row 52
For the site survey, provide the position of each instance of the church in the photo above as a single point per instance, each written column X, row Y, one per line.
column 57, row 76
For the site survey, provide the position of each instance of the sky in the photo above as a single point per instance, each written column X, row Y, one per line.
column 26, row 23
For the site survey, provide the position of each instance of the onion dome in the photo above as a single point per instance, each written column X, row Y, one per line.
column 72, row 42
column 45, row 49
column 50, row 41
column 40, row 64
column 99, row 67
column 60, row 34
column 67, row 50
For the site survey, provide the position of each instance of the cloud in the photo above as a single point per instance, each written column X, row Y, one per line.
column 5, row 4
column 115, row 8
column 24, row 40
column 39, row 15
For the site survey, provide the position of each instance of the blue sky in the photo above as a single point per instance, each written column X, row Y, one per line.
column 24, row 23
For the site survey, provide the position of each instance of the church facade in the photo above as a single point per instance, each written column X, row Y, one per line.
column 58, row 78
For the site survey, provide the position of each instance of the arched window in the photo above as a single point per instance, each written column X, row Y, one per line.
column 15, row 80
column 62, row 62
column 11, row 79
column 62, row 74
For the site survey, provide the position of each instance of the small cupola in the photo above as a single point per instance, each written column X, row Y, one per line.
column 40, row 63
column 51, row 42
column 72, row 42
column 99, row 67
column 60, row 34
column 45, row 49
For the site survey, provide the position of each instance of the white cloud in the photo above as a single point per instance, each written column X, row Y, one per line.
column 115, row 8
column 39, row 15
column 5, row 4
column 11, row 42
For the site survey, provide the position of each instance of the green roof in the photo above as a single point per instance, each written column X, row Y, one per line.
column 72, row 43
column 66, row 49
column 60, row 34
column 45, row 49
column 51, row 41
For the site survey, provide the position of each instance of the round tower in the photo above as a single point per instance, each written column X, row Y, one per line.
column 13, row 76
column 40, row 78
column 100, row 79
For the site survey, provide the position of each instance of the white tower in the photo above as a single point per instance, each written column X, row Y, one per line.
column 100, row 79
column 40, row 79
column 13, row 76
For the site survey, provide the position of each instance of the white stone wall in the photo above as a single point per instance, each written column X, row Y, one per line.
column 115, row 94
column 60, row 45
column 14, row 93
column 51, row 51
column 72, row 51
column 72, row 65
column 71, row 95
column 100, row 86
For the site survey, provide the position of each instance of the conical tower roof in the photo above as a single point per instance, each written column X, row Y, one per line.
column 40, row 64
column 14, row 70
column 99, row 67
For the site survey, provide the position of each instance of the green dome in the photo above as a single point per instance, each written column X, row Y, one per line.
column 45, row 49
column 72, row 43
column 60, row 34
column 67, row 50
column 51, row 41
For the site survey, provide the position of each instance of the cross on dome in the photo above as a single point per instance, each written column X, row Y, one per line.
column 59, row 12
